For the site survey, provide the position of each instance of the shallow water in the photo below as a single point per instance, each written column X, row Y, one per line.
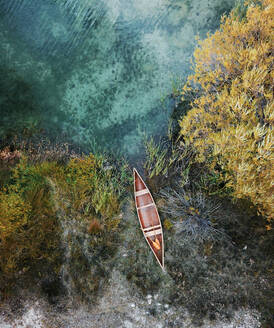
column 98, row 71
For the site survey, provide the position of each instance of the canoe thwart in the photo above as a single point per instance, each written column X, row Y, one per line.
column 141, row 192
column 153, row 233
column 145, row 206
column 152, row 227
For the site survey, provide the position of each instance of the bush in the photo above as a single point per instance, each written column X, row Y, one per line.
column 230, row 122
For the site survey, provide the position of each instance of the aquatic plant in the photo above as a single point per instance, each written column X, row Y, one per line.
column 230, row 121
column 166, row 159
column 39, row 148
column 91, row 190
column 191, row 214
column 170, row 164
column 157, row 162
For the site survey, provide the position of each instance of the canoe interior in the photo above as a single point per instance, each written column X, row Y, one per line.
column 158, row 253
column 149, row 219
column 143, row 200
column 139, row 184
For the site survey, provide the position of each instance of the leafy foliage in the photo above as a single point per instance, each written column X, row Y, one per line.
column 230, row 123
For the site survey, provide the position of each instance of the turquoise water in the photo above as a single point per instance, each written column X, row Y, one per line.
column 98, row 72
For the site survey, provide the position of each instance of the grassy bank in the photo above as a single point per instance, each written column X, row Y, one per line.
column 42, row 192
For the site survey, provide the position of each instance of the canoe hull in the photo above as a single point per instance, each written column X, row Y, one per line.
column 149, row 218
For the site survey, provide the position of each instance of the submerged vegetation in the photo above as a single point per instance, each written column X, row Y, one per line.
column 17, row 104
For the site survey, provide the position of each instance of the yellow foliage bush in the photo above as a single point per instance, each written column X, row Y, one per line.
column 230, row 121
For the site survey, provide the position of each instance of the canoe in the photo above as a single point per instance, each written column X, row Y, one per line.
column 149, row 218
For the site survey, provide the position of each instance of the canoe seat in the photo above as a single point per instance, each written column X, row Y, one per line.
column 141, row 192
column 145, row 206
column 152, row 227
column 153, row 233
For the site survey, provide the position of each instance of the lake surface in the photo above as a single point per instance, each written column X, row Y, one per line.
column 98, row 72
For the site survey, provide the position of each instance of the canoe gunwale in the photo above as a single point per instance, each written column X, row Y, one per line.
column 159, row 226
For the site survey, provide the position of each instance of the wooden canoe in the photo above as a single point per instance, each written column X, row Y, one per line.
column 149, row 218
